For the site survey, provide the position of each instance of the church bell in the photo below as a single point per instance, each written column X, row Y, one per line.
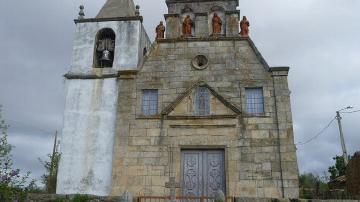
column 105, row 55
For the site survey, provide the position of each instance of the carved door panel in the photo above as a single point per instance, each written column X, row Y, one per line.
column 202, row 172
column 192, row 182
column 214, row 175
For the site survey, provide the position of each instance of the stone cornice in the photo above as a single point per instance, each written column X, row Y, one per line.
column 201, row 14
column 220, row 38
column 191, row 1
column 131, row 18
column 128, row 72
column 232, row 12
column 171, row 15
column 105, row 73
column 71, row 76
column 196, row 39
column 200, row 117
column 274, row 69
column 193, row 126
column 279, row 71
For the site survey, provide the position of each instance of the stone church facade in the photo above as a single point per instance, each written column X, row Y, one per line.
column 205, row 111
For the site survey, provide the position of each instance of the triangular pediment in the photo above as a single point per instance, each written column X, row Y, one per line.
column 185, row 104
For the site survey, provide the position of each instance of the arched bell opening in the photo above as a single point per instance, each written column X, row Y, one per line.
column 104, row 48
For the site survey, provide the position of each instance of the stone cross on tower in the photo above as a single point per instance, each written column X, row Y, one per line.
column 172, row 184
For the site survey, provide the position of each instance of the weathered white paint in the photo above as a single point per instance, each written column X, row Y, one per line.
column 129, row 43
column 91, row 106
column 87, row 139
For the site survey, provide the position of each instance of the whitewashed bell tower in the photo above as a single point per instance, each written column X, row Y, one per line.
column 112, row 42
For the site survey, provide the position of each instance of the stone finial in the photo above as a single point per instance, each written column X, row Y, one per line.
column 137, row 10
column 81, row 13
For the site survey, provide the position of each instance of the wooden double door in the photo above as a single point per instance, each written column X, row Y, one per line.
column 203, row 172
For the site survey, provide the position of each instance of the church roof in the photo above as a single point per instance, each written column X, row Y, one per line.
column 117, row 8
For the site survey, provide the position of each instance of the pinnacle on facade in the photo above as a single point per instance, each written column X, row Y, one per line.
column 117, row 8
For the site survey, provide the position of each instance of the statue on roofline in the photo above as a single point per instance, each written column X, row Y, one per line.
column 160, row 30
column 187, row 26
column 244, row 25
column 216, row 24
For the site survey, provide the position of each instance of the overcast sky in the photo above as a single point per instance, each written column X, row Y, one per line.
column 318, row 39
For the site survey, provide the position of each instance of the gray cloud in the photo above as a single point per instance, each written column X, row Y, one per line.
column 318, row 39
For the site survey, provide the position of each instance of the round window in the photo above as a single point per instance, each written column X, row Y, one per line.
column 200, row 62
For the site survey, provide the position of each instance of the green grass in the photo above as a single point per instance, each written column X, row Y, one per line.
column 81, row 198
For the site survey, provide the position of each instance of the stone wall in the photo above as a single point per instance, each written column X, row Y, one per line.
column 256, row 166
column 70, row 198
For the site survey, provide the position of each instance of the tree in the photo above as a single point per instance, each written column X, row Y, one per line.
column 13, row 184
column 338, row 169
column 311, row 186
column 308, row 180
column 51, row 166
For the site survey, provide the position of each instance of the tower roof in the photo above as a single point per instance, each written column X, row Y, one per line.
column 117, row 8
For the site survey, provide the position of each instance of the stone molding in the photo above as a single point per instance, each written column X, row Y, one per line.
column 141, row 116
column 71, row 76
column 256, row 116
column 128, row 72
column 220, row 38
column 200, row 117
column 192, row 1
column 177, row 101
column 232, row 12
column 130, row 18
column 201, row 14
column 102, row 74
column 285, row 68
column 203, row 126
column 197, row 39
column 279, row 71
column 171, row 15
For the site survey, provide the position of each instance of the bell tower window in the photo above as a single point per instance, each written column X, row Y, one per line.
column 104, row 48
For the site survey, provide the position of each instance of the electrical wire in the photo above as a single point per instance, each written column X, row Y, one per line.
column 318, row 134
column 32, row 127
column 350, row 112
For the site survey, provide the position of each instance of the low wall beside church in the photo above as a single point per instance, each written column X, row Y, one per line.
column 69, row 198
